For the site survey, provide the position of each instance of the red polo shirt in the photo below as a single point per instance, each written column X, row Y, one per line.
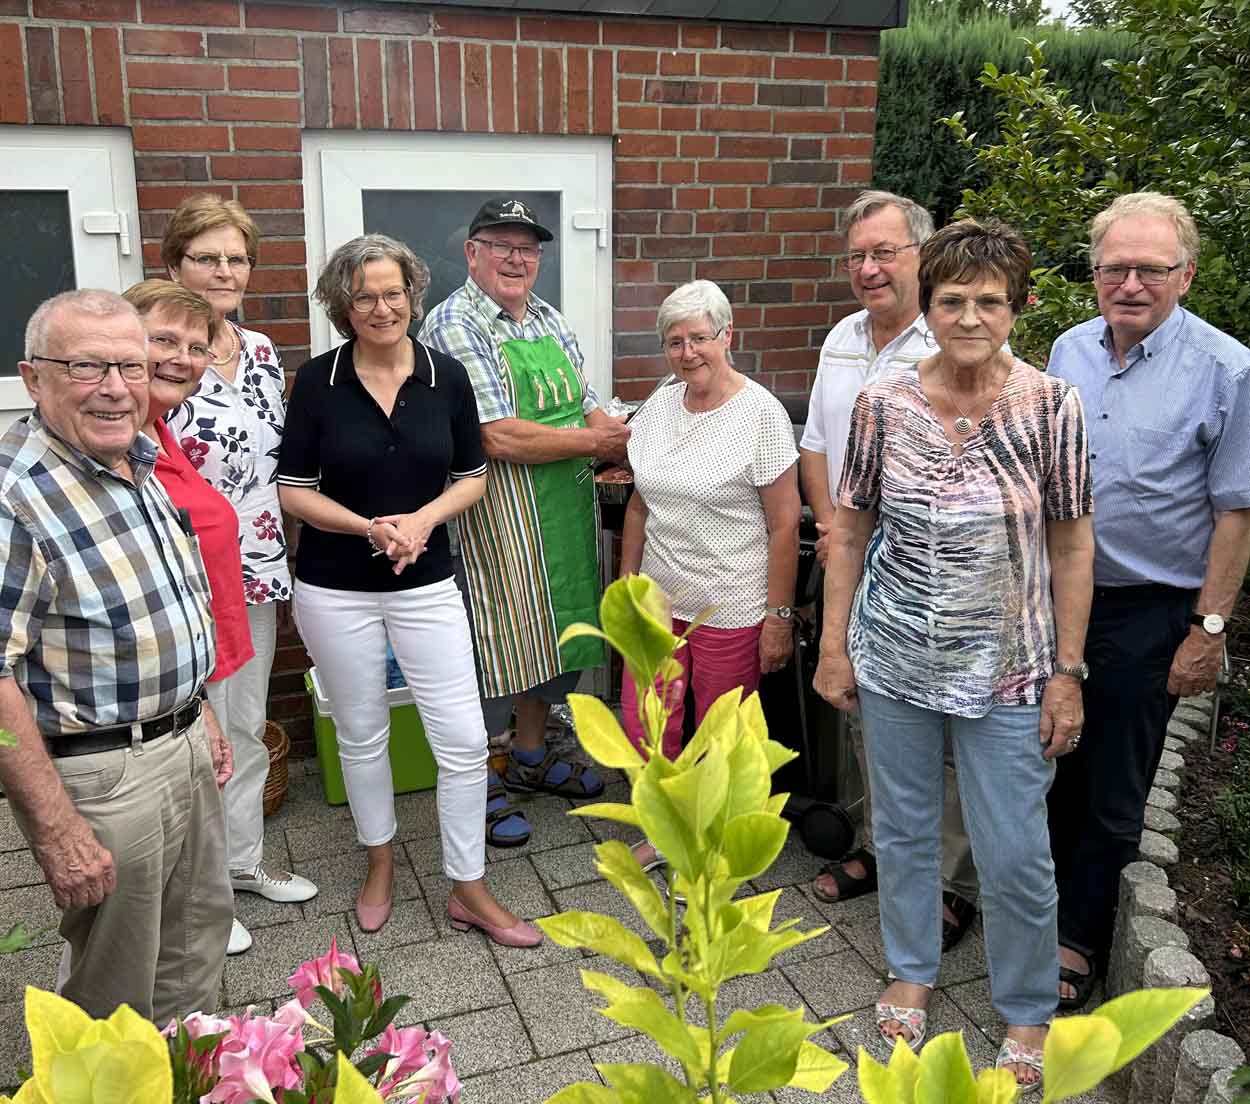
column 217, row 527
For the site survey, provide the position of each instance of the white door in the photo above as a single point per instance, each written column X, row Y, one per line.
column 425, row 188
column 69, row 218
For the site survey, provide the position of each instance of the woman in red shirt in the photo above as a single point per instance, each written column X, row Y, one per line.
column 180, row 326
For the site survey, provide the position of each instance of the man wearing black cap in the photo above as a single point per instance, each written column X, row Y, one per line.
column 530, row 546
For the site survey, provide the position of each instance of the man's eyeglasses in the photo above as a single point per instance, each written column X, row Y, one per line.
column 986, row 306
column 167, row 348
column 94, row 371
column 882, row 254
column 1113, row 274
column 236, row 262
column 675, row 346
column 502, row 250
column 365, row 303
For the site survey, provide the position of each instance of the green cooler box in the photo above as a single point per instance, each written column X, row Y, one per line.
column 412, row 762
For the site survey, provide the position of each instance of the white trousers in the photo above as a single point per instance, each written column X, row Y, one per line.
column 241, row 703
column 345, row 632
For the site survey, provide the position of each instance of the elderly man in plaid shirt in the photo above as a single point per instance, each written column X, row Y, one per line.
column 107, row 641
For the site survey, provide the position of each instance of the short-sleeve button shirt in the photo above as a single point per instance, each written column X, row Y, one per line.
column 339, row 441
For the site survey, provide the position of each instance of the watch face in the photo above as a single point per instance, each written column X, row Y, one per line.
column 1213, row 623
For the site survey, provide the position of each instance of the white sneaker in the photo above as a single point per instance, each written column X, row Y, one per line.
column 240, row 939
column 275, row 885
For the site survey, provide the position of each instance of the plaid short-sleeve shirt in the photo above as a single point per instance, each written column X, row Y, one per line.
column 469, row 325
column 104, row 604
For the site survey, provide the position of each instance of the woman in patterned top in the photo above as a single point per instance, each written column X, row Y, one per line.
column 715, row 514
column 967, row 489
column 231, row 430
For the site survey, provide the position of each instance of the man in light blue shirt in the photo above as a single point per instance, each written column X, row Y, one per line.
column 1167, row 406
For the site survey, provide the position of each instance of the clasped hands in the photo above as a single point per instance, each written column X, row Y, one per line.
column 401, row 537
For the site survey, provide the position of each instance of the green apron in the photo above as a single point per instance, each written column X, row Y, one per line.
column 531, row 546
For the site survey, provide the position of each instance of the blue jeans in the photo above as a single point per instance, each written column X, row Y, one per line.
column 1003, row 781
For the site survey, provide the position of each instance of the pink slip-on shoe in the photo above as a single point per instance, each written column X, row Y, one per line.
column 520, row 934
column 372, row 917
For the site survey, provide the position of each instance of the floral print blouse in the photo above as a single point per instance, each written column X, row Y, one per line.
column 231, row 433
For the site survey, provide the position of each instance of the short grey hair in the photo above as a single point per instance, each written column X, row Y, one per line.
column 1154, row 204
column 334, row 285
column 697, row 300
column 93, row 301
column 919, row 221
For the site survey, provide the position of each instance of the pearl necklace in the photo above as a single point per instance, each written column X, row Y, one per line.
column 234, row 348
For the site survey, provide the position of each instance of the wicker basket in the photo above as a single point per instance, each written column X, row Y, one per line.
column 279, row 745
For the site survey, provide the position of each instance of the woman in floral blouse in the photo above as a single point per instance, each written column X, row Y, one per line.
column 231, row 430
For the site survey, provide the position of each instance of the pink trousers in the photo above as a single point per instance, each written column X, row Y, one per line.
column 714, row 661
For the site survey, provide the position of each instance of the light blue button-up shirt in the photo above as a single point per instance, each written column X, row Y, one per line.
column 1169, row 443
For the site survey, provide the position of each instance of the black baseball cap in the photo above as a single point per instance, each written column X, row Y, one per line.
column 504, row 212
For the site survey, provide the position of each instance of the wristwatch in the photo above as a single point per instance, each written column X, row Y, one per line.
column 1213, row 623
column 784, row 612
column 1079, row 671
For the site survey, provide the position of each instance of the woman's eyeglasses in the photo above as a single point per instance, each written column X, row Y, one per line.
column 365, row 303
column 236, row 262
column 675, row 346
column 986, row 306
column 167, row 348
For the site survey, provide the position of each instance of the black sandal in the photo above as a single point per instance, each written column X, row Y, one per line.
column 495, row 817
column 579, row 783
column 849, row 887
column 964, row 911
column 1082, row 984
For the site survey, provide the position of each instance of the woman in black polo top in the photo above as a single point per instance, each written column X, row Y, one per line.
column 381, row 449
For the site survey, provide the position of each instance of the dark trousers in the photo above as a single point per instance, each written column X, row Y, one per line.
column 1098, row 801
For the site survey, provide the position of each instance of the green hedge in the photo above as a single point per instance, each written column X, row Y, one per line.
column 929, row 69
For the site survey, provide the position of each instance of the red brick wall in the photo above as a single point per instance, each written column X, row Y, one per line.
column 736, row 146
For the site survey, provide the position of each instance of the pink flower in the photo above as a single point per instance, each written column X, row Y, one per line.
column 195, row 450
column 420, row 1066
column 198, row 1024
column 255, row 591
column 322, row 971
column 266, row 526
column 257, row 1057
column 261, row 352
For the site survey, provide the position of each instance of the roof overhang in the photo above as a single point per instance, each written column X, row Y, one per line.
column 877, row 15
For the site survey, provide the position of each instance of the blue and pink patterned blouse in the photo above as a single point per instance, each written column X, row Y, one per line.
column 954, row 609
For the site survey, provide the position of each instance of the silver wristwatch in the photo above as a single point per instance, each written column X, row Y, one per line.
column 1079, row 671
column 784, row 612
column 1212, row 623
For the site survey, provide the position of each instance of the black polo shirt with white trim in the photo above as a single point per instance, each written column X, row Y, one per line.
column 339, row 441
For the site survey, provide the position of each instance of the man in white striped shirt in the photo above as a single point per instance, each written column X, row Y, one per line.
column 883, row 234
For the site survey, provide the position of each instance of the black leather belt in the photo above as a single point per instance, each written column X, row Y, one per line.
column 110, row 739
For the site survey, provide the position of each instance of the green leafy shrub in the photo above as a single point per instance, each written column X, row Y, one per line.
column 1232, row 811
column 711, row 813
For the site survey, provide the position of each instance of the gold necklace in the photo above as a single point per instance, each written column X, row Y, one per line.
column 234, row 348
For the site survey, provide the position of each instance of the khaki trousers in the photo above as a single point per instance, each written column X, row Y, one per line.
column 959, row 875
column 158, row 941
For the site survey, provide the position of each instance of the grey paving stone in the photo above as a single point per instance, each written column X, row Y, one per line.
column 320, row 841
column 610, row 829
column 410, row 922
column 603, row 898
column 517, row 960
column 425, row 856
column 530, row 1084
column 839, row 913
column 944, row 1016
column 635, row 1048
column 836, row 983
column 492, row 1039
column 1162, row 799
column 339, row 878
column 551, row 826
column 514, row 883
column 305, row 804
column 1167, row 780
column 262, row 972
column 749, row 991
column 578, row 1023
column 1160, row 820
column 36, row 966
column 11, row 838
column 566, row 866
column 793, row 903
column 1169, row 760
column 445, row 978
column 255, row 911
column 14, row 1046
column 18, row 868
column 416, row 815
column 964, row 962
column 33, row 906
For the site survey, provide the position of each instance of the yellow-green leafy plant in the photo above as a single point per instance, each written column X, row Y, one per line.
column 1080, row 1052
column 78, row 1060
column 711, row 813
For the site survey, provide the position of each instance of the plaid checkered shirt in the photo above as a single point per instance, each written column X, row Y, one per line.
column 104, row 603
column 469, row 326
